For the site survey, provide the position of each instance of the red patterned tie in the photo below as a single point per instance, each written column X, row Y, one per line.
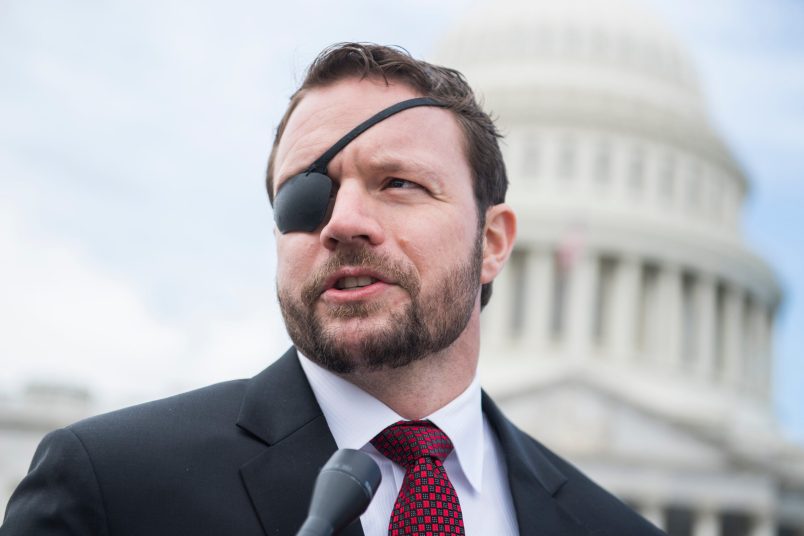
column 427, row 504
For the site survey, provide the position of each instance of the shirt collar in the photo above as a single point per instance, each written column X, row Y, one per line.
column 355, row 417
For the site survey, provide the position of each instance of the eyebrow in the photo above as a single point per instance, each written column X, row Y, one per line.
column 394, row 164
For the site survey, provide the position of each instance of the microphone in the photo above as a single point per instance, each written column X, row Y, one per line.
column 343, row 490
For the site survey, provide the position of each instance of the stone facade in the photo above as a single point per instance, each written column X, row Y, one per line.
column 632, row 330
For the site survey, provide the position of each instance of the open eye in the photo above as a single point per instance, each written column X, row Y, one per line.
column 400, row 183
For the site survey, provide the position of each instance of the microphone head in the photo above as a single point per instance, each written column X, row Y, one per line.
column 343, row 490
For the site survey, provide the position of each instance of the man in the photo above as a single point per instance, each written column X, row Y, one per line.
column 388, row 189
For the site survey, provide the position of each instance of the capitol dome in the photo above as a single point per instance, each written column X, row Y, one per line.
column 610, row 65
column 632, row 328
column 605, row 47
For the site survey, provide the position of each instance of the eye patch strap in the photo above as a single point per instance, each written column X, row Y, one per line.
column 320, row 165
column 304, row 200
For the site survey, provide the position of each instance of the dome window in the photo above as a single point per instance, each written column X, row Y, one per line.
column 636, row 171
column 567, row 159
column 603, row 163
column 531, row 157
column 694, row 187
column 667, row 178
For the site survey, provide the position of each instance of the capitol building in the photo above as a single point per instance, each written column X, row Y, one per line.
column 632, row 328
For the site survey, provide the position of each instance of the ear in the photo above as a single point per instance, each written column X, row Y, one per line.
column 498, row 240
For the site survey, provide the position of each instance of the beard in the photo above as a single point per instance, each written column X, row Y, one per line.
column 427, row 324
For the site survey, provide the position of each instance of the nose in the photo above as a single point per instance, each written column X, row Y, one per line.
column 353, row 218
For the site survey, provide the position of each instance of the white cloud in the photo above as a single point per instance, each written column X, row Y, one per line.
column 66, row 319
column 236, row 344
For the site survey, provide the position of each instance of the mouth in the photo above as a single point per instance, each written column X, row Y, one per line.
column 352, row 282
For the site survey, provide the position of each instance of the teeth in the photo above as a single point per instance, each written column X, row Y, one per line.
column 353, row 282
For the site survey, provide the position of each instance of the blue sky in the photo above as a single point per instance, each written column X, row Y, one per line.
column 136, row 236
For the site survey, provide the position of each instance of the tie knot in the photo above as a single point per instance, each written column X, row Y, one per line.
column 408, row 441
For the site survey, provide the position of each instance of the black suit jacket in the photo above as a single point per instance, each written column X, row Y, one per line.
column 240, row 458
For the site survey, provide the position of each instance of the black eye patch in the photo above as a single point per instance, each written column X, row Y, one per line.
column 303, row 201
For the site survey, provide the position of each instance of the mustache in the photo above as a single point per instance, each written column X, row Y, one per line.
column 389, row 269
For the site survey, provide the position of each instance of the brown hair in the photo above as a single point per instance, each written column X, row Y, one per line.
column 365, row 60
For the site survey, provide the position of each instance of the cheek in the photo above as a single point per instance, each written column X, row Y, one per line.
column 413, row 248
column 434, row 244
column 295, row 255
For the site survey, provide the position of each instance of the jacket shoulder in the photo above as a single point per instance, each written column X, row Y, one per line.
column 538, row 474
column 99, row 475
column 592, row 505
column 195, row 411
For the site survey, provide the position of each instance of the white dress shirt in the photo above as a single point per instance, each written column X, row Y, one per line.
column 476, row 466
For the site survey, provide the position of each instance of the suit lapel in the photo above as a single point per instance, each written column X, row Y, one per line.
column 279, row 409
column 534, row 481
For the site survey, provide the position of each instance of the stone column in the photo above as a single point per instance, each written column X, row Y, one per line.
column 580, row 302
column 733, row 336
column 670, row 315
column 624, row 308
column 762, row 357
column 539, row 272
column 767, row 350
column 707, row 523
column 755, row 357
column 705, row 301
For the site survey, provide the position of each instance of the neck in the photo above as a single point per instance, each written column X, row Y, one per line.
column 428, row 384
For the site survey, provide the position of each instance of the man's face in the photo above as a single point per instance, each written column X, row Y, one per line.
column 394, row 274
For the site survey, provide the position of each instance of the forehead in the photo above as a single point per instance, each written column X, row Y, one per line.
column 325, row 114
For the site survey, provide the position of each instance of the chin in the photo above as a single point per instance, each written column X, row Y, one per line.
column 357, row 328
